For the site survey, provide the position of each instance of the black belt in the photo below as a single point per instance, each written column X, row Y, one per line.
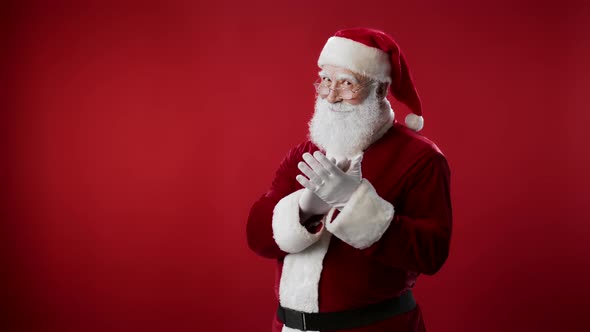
column 348, row 319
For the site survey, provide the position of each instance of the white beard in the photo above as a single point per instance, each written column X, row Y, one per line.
column 344, row 130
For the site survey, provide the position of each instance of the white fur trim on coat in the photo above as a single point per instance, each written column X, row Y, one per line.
column 300, row 278
column 363, row 220
column 288, row 233
column 357, row 57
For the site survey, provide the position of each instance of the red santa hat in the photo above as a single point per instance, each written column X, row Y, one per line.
column 374, row 54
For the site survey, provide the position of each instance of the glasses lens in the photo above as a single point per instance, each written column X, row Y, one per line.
column 341, row 92
column 346, row 94
column 322, row 89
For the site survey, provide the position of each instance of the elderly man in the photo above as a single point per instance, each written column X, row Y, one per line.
column 357, row 212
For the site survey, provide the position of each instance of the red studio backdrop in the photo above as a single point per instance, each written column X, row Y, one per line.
column 136, row 135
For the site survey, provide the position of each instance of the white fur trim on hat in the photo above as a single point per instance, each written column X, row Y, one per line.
column 288, row 232
column 415, row 122
column 363, row 220
column 357, row 57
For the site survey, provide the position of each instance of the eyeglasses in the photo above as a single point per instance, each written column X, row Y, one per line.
column 344, row 92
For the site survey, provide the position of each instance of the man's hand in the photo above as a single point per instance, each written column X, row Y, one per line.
column 310, row 204
column 327, row 181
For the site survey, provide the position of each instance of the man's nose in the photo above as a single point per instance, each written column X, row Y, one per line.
column 333, row 96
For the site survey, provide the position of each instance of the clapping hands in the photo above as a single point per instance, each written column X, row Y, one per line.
column 331, row 186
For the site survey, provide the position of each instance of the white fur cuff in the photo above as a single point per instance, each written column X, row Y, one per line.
column 363, row 219
column 288, row 233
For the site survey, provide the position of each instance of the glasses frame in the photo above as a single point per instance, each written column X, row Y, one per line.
column 318, row 85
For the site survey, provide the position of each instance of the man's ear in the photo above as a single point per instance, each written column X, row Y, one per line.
column 382, row 89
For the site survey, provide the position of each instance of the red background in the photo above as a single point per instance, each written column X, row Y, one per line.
column 136, row 136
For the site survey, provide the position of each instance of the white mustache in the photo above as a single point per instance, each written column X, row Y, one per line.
column 338, row 107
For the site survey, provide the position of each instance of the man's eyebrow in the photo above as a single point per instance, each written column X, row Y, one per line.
column 347, row 77
column 340, row 77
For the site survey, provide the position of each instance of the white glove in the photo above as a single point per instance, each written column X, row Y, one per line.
column 327, row 181
column 310, row 204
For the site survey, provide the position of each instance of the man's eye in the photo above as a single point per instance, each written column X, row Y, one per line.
column 326, row 79
column 346, row 83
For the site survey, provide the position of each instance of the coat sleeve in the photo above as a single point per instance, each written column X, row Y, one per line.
column 417, row 236
column 273, row 229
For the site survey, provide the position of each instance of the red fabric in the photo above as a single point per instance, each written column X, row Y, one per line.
column 402, row 85
column 410, row 172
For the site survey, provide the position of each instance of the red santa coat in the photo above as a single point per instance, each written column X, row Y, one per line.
column 396, row 226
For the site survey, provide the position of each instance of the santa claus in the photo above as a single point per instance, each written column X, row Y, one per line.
column 358, row 211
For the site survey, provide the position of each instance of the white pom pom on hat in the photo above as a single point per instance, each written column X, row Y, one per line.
column 374, row 54
column 415, row 122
